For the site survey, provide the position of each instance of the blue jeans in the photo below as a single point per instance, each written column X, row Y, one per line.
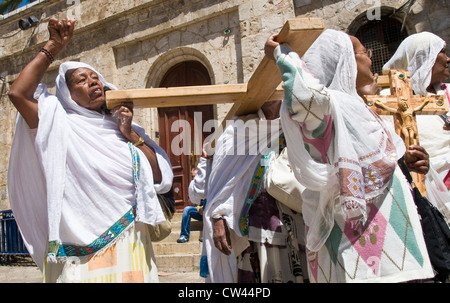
column 188, row 213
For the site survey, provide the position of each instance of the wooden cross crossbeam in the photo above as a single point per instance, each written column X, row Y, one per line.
column 404, row 106
column 264, row 85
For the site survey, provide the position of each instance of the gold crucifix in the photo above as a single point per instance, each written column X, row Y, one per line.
column 404, row 106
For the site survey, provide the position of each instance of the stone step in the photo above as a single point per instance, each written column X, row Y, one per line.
column 195, row 225
column 170, row 248
column 173, row 257
column 173, row 237
column 178, row 263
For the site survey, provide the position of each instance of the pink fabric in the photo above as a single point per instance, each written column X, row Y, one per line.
column 321, row 143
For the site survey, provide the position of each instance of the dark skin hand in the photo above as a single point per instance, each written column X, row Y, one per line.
column 221, row 236
column 422, row 164
column 124, row 114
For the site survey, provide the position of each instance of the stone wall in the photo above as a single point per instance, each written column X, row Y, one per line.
column 134, row 42
column 425, row 15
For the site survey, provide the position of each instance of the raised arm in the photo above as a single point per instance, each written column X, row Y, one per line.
column 23, row 88
column 391, row 110
column 306, row 99
column 310, row 102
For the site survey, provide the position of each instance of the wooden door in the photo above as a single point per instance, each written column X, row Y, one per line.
column 189, row 73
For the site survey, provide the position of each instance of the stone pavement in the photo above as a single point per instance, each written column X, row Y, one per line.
column 30, row 273
column 176, row 262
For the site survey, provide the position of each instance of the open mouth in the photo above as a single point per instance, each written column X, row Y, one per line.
column 96, row 92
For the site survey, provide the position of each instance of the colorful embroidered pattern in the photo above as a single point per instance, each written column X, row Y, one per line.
column 387, row 243
column 253, row 191
column 372, row 177
column 355, row 185
column 136, row 163
column 107, row 237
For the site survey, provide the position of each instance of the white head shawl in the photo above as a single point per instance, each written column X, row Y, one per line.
column 362, row 146
column 74, row 180
column 417, row 54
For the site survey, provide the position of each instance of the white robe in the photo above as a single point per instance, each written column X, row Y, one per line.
column 232, row 171
column 74, row 180
column 417, row 54
column 357, row 175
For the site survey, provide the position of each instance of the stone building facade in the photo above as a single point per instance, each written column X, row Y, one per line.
column 134, row 43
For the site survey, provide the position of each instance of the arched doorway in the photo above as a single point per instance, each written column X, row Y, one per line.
column 382, row 36
column 188, row 73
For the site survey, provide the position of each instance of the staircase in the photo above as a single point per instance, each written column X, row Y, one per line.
column 173, row 257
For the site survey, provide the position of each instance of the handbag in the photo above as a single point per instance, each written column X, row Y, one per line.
column 280, row 182
column 160, row 231
column 435, row 230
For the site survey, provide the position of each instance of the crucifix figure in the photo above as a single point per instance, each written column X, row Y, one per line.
column 408, row 128
column 404, row 106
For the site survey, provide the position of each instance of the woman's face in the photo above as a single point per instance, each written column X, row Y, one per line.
column 366, row 81
column 86, row 88
column 440, row 71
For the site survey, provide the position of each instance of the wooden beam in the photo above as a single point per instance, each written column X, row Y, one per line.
column 177, row 96
column 263, row 86
column 383, row 81
column 299, row 33
column 192, row 95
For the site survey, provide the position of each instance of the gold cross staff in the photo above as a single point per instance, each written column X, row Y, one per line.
column 404, row 106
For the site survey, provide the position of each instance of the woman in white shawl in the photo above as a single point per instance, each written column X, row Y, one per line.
column 424, row 56
column 360, row 217
column 245, row 237
column 82, row 183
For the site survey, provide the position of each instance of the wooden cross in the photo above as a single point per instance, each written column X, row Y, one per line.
column 404, row 106
column 263, row 86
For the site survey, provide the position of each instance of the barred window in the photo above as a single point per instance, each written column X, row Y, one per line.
column 383, row 37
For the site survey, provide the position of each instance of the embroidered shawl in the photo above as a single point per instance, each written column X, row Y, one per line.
column 363, row 151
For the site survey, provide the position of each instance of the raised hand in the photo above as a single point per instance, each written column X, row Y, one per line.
column 124, row 114
column 61, row 32
column 270, row 46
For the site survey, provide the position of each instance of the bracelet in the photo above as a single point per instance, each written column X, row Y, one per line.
column 139, row 142
column 48, row 54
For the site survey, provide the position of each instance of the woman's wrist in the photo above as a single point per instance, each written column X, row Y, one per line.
column 52, row 48
column 135, row 139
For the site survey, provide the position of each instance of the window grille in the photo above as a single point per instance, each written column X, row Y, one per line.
column 383, row 37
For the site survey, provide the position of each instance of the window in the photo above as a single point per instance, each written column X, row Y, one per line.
column 383, row 37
